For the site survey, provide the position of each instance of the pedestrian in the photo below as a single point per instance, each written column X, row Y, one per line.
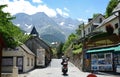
column 91, row 74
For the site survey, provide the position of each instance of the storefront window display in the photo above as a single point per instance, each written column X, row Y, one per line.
column 101, row 61
column 117, row 62
column 94, row 62
column 119, row 59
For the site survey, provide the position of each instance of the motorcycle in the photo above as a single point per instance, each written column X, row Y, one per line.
column 65, row 67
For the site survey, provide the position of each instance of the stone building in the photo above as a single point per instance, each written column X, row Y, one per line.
column 21, row 57
column 42, row 51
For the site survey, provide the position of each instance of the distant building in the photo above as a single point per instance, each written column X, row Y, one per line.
column 42, row 51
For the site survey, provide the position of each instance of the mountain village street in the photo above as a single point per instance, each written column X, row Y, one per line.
column 54, row 70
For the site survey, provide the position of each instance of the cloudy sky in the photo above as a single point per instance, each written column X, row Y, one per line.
column 77, row 9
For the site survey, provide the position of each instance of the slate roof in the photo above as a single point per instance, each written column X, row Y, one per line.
column 34, row 31
column 27, row 50
column 108, row 19
column 115, row 14
column 94, row 19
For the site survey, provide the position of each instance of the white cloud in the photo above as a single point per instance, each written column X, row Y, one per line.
column 65, row 14
column 50, row 12
column 66, row 9
column 59, row 11
column 24, row 6
column 83, row 20
column 19, row 6
column 62, row 13
column 37, row 1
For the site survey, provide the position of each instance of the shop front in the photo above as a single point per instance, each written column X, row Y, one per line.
column 117, row 59
column 117, row 62
column 101, row 61
column 105, row 59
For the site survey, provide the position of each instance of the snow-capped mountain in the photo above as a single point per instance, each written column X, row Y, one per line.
column 58, row 27
column 68, row 25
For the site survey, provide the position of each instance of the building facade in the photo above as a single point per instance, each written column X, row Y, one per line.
column 105, row 58
column 92, row 24
column 42, row 51
column 21, row 57
column 104, row 53
column 112, row 20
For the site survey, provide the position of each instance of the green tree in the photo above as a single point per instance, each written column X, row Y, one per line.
column 78, row 30
column 11, row 34
column 72, row 37
column 111, row 5
column 59, row 50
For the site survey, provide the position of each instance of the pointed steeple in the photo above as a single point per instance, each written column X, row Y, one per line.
column 34, row 32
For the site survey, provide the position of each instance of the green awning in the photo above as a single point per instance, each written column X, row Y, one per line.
column 114, row 48
column 117, row 48
column 101, row 50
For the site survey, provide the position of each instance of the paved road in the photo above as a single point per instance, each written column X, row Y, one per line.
column 54, row 70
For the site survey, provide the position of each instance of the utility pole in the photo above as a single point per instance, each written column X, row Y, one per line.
column 83, row 48
column 119, row 23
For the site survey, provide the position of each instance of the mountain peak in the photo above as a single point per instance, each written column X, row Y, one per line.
column 46, row 25
column 40, row 14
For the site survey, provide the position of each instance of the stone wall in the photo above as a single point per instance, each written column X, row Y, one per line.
column 6, row 75
column 76, row 59
column 13, row 74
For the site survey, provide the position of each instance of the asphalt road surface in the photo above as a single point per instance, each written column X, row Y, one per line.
column 54, row 70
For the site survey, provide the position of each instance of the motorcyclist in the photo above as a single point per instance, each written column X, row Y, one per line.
column 63, row 60
column 65, row 65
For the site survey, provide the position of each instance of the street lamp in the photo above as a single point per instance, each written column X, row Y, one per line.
column 117, row 10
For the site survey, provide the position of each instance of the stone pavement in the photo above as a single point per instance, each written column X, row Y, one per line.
column 54, row 70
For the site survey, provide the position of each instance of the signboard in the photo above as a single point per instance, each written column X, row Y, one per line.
column 40, row 57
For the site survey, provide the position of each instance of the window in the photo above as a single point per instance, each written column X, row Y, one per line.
column 118, row 59
column 116, row 25
column 19, row 61
column 32, row 62
column 28, row 61
column 88, row 30
column 100, row 55
column 100, row 20
column 8, row 61
column 108, row 58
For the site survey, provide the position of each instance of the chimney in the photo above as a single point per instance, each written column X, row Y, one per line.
column 90, row 19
